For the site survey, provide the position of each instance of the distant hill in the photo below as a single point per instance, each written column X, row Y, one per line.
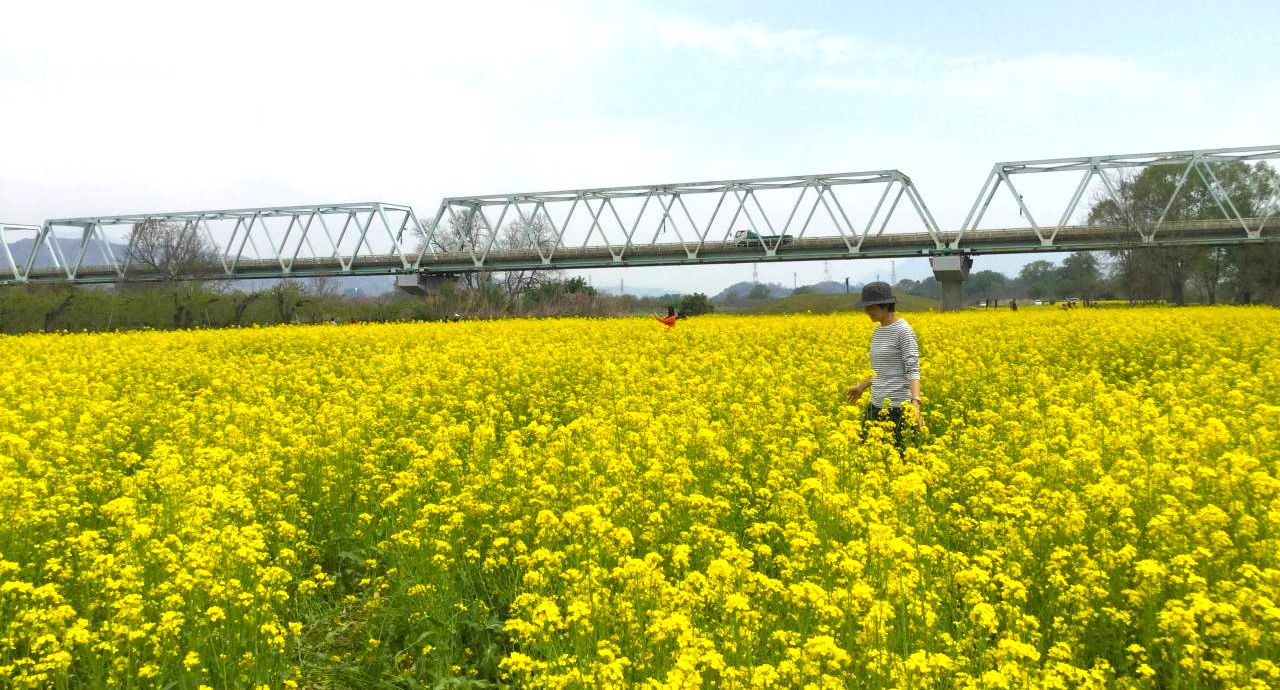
column 830, row 287
column 819, row 303
column 347, row 286
column 739, row 291
column 70, row 249
column 639, row 291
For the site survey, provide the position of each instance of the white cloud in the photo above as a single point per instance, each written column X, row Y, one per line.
column 858, row 65
column 742, row 40
column 1037, row 81
column 865, row 85
column 1083, row 78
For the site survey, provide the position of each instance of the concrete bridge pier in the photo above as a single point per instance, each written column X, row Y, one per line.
column 950, row 272
column 420, row 283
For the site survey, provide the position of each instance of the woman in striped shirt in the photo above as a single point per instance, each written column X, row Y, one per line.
column 895, row 362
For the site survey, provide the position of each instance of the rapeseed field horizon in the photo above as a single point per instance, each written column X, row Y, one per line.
column 1095, row 502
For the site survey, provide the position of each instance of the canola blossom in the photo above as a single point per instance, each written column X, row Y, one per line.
column 1095, row 503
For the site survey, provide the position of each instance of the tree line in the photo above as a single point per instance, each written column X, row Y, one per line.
column 210, row 304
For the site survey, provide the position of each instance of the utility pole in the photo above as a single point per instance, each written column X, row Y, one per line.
column 846, row 285
column 893, row 272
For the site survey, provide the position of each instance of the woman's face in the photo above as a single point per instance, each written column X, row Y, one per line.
column 874, row 311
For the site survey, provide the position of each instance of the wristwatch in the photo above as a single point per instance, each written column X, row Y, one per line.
column 917, row 402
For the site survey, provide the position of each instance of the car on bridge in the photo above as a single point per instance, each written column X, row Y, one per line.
column 749, row 238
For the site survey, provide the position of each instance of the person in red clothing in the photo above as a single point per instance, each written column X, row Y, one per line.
column 670, row 319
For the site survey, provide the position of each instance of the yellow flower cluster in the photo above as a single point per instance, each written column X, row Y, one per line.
column 580, row 503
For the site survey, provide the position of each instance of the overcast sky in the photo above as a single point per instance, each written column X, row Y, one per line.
column 118, row 107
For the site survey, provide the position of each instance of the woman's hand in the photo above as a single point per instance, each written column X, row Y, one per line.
column 916, row 415
column 856, row 392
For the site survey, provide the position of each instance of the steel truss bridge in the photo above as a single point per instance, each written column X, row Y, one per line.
column 807, row 217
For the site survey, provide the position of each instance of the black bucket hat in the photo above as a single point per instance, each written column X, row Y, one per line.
column 877, row 293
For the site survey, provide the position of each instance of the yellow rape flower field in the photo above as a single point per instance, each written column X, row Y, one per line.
column 599, row 503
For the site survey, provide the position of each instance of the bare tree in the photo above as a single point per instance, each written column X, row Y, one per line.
column 287, row 296
column 464, row 232
column 242, row 303
column 322, row 286
column 468, row 232
column 1208, row 271
column 174, row 251
column 180, row 257
column 533, row 234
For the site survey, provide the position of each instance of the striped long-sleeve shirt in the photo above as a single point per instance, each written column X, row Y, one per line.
column 895, row 359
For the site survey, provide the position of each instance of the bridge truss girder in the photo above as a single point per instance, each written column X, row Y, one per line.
column 250, row 233
column 741, row 195
column 1198, row 161
column 887, row 246
column 8, row 231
